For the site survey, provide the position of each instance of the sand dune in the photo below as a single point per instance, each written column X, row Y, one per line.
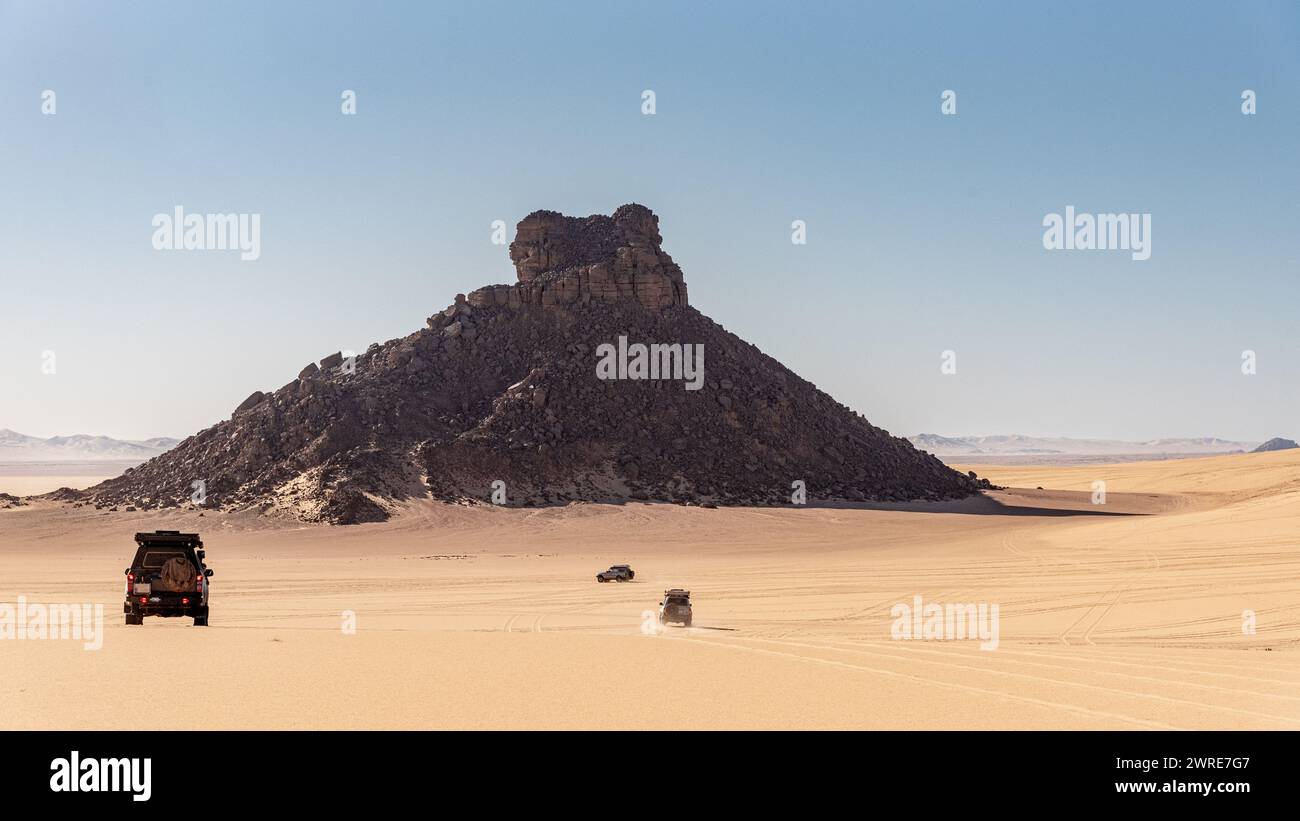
column 1125, row 615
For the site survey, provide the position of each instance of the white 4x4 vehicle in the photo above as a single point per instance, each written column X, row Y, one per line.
column 616, row 573
column 676, row 606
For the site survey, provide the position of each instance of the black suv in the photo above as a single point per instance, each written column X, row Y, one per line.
column 167, row 578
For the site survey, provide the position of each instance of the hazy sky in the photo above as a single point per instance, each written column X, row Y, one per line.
column 924, row 230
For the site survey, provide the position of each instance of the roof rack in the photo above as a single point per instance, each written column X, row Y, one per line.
column 169, row 537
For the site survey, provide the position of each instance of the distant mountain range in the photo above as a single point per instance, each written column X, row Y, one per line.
column 18, row 447
column 1018, row 445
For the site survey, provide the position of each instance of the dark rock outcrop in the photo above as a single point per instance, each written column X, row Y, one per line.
column 1276, row 443
column 506, row 388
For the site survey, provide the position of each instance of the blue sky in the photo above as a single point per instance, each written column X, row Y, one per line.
column 924, row 231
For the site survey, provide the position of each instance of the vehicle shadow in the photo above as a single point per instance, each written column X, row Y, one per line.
column 1020, row 503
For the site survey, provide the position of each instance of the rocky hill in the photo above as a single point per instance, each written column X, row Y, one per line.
column 520, row 384
column 1276, row 443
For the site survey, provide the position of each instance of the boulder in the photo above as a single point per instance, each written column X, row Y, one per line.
column 254, row 399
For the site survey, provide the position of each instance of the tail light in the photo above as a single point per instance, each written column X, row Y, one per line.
column 144, row 599
column 130, row 583
column 198, row 584
column 185, row 600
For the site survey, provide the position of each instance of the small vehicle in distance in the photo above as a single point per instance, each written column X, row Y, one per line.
column 167, row 578
column 616, row 573
column 676, row 607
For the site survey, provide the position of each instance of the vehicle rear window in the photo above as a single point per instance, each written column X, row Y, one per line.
column 678, row 600
column 155, row 559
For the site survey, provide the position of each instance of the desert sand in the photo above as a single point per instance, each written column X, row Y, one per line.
column 1122, row 615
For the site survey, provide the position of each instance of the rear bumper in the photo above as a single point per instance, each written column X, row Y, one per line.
column 165, row 608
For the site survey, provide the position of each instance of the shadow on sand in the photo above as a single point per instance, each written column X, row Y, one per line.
column 1017, row 502
column 986, row 505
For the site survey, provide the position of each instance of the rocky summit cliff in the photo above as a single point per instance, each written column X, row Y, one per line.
column 588, row 379
column 563, row 260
